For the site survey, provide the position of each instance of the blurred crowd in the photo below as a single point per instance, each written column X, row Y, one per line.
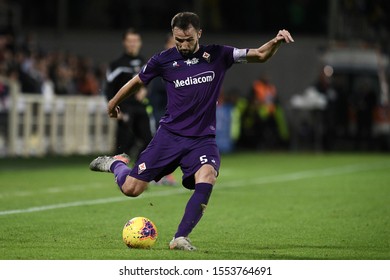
column 46, row 72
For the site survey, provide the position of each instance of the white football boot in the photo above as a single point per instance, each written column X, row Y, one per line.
column 181, row 243
column 103, row 163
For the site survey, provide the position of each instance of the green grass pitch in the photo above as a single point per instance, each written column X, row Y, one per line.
column 273, row 206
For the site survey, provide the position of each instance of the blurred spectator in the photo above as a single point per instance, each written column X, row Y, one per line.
column 363, row 107
column 329, row 120
column 133, row 126
column 47, row 85
column 87, row 82
column 321, row 112
column 63, row 80
column 272, row 124
column 228, row 120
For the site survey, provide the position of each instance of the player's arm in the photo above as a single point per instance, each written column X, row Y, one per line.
column 131, row 87
column 267, row 50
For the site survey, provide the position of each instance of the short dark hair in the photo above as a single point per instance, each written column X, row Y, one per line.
column 183, row 20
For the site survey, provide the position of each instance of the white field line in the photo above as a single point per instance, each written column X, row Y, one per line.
column 89, row 202
column 326, row 172
column 52, row 190
column 232, row 184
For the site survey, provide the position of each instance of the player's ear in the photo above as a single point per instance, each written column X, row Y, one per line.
column 199, row 33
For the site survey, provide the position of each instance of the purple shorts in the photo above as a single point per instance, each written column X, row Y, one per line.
column 167, row 151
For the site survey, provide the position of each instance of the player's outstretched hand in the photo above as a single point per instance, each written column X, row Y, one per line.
column 284, row 36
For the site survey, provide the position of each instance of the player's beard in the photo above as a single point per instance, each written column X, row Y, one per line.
column 189, row 52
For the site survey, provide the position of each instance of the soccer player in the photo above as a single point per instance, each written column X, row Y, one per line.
column 133, row 123
column 186, row 137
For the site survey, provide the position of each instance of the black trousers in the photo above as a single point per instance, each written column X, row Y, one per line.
column 133, row 131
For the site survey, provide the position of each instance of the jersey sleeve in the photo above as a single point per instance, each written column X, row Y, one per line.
column 239, row 55
column 150, row 70
column 235, row 55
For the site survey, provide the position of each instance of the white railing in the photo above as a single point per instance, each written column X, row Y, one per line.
column 59, row 125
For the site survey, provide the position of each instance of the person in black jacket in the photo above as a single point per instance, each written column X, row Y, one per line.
column 133, row 130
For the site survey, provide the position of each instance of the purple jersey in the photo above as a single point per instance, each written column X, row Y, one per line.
column 193, row 85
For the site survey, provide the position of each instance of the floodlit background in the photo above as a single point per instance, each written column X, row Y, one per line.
column 322, row 104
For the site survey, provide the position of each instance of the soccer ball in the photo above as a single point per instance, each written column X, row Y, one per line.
column 139, row 232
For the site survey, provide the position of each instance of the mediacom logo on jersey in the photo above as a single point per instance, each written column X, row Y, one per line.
column 201, row 78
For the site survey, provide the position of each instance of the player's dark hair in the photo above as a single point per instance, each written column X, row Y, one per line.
column 183, row 21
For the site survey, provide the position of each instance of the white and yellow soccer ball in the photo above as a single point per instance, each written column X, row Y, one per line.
column 140, row 232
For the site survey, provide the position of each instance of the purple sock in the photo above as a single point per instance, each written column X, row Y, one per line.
column 121, row 171
column 194, row 209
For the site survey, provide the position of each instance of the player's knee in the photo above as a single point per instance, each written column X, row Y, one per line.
column 133, row 189
column 130, row 191
column 207, row 174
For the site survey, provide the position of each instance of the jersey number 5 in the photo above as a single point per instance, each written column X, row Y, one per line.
column 203, row 159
